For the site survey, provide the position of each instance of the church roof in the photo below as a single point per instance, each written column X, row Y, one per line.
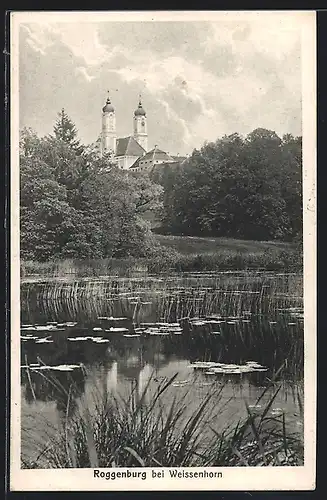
column 128, row 146
column 152, row 156
column 136, row 163
column 157, row 154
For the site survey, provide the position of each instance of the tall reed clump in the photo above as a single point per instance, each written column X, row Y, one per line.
column 133, row 432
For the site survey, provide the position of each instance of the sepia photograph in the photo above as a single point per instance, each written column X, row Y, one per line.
column 163, row 225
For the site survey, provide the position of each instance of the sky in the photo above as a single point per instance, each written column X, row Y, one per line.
column 199, row 79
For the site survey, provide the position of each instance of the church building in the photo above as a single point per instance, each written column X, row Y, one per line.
column 131, row 152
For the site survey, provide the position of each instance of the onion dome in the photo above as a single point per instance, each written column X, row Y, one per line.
column 139, row 111
column 108, row 107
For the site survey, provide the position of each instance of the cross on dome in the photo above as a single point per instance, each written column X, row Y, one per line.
column 108, row 106
column 140, row 110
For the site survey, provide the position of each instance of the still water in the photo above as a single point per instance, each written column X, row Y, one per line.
column 237, row 331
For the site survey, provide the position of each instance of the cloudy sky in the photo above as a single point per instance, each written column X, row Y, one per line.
column 198, row 79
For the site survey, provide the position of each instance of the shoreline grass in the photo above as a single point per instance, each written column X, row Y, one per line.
column 203, row 245
column 131, row 432
column 268, row 260
column 181, row 254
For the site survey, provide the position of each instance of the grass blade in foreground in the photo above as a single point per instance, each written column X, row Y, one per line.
column 156, row 435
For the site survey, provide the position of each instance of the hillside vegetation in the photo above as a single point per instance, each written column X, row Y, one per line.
column 207, row 245
column 233, row 196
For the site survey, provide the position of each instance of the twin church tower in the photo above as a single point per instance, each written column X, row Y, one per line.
column 109, row 141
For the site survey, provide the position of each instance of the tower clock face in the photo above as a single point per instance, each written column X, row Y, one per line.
column 143, row 123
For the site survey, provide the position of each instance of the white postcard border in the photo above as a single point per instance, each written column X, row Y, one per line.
column 233, row 478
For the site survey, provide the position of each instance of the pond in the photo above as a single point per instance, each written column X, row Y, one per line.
column 235, row 332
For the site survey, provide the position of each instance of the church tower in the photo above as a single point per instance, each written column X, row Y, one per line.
column 140, row 126
column 108, row 137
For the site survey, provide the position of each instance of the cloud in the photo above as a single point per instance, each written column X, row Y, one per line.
column 83, row 71
column 82, row 40
column 198, row 80
column 40, row 37
column 172, row 115
column 273, row 36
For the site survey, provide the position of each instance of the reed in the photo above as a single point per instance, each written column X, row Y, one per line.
column 267, row 257
column 259, row 440
column 129, row 431
column 265, row 298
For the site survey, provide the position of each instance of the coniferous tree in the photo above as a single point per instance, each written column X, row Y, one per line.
column 65, row 130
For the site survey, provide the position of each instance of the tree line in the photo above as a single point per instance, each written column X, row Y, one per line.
column 76, row 204
column 248, row 188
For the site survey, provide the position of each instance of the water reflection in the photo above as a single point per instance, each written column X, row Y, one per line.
column 133, row 333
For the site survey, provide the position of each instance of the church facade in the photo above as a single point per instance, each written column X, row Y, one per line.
column 131, row 152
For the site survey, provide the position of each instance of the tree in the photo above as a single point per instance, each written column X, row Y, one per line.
column 80, row 205
column 65, row 130
column 43, row 209
column 245, row 188
column 166, row 176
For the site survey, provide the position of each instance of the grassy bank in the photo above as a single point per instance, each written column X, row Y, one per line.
column 211, row 254
column 199, row 245
column 131, row 432
column 180, row 254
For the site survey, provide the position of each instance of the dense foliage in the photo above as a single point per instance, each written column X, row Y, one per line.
column 76, row 204
column 238, row 187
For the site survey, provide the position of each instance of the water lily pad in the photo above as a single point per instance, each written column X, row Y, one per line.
column 112, row 318
column 78, row 339
column 160, row 324
column 139, row 330
column 67, row 324
column 116, row 329
column 198, row 323
column 254, row 364
column 204, row 364
column 44, row 328
column 157, row 333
